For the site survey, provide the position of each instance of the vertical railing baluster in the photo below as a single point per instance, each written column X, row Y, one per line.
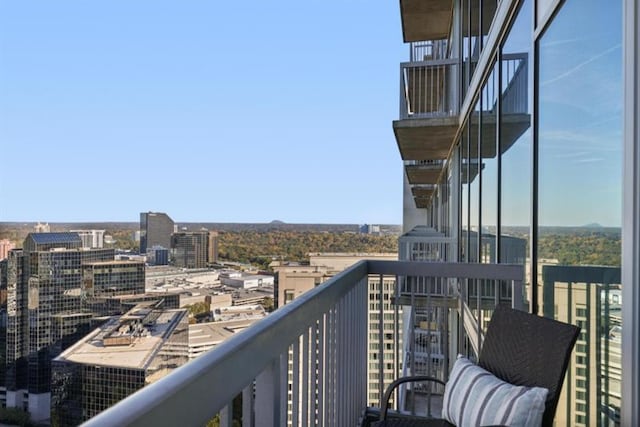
column 247, row 406
column 226, row 415
column 322, row 371
column 305, row 379
column 295, row 382
column 267, row 403
column 339, row 400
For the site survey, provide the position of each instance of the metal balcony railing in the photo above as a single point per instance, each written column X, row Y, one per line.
column 322, row 358
column 515, row 90
column 428, row 50
column 428, row 88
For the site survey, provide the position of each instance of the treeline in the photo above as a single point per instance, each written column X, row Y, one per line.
column 261, row 248
column 581, row 249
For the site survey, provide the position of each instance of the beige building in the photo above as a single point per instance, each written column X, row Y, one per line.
column 5, row 246
column 589, row 297
column 294, row 279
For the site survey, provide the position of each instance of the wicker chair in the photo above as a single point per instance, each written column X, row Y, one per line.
column 519, row 348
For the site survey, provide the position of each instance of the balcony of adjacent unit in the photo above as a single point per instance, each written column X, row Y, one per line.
column 326, row 356
column 429, row 103
column 423, row 175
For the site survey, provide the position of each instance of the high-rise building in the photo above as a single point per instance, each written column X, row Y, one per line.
column 115, row 360
column 42, row 228
column 155, row 229
column 44, row 283
column 213, row 247
column 5, row 246
column 91, row 238
column 193, row 249
column 108, row 278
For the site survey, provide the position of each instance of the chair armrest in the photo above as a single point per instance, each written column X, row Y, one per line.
column 396, row 383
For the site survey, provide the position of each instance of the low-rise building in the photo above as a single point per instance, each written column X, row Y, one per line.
column 205, row 336
column 115, row 360
column 107, row 278
column 247, row 281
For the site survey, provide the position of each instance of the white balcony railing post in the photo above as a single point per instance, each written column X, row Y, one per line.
column 267, row 398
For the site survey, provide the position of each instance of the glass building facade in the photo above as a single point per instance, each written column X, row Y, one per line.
column 88, row 377
column 155, row 230
column 534, row 176
column 113, row 278
column 43, row 313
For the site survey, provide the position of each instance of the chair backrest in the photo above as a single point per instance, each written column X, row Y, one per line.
column 525, row 349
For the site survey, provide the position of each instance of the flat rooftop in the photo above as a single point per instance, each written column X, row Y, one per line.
column 213, row 333
column 127, row 341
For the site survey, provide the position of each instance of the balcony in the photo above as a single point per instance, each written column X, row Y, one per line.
column 429, row 113
column 323, row 358
column 425, row 20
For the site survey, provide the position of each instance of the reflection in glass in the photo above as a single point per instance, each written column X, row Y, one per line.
column 515, row 140
column 474, row 16
column 488, row 10
column 474, row 183
column 466, row 45
column 489, row 169
column 464, row 194
column 579, row 192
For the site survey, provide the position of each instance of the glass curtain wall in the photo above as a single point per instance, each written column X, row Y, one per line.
column 515, row 137
column 579, row 145
column 463, row 147
column 474, row 182
column 489, row 169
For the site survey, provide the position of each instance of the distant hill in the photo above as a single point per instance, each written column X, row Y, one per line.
column 593, row 225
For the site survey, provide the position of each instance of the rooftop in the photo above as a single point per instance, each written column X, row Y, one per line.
column 127, row 341
column 213, row 333
column 61, row 237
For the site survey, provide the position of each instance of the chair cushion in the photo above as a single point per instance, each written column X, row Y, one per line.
column 475, row 397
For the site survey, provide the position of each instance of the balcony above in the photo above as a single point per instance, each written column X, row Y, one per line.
column 425, row 20
column 422, row 195
column 421, row 173
column 428, row 105
column 425, row 139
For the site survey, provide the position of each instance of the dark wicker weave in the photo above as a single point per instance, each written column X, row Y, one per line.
column 521, row 349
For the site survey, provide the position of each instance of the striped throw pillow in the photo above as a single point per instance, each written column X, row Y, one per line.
column 475, row 397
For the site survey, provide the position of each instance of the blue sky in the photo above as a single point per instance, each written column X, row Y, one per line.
column 207, row 110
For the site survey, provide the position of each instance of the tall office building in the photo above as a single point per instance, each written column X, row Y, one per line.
column 502, row 146
column 91, row 238
column 44, row 282
column 155, row 229
column 213, row 247
column 193, row 249
column 5, row 246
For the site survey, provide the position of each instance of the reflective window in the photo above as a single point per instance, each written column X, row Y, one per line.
column 515, row 139
column 474, row 182
column 474, row 24
column 464, row 194
column 489, row 169
column 466, row 45
column 579, row 193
